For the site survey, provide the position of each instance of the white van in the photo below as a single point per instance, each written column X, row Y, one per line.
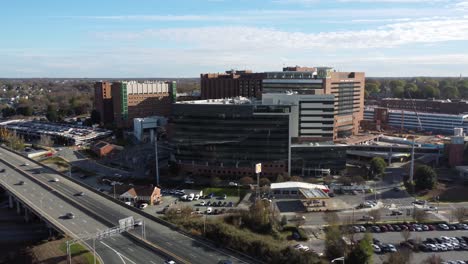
column 191, row 196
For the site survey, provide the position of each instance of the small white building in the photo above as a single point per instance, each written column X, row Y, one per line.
column 292, row 189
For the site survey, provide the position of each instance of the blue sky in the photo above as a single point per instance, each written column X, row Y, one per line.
column 183, row 38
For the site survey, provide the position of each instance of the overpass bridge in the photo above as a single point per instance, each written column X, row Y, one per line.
column 95, row 212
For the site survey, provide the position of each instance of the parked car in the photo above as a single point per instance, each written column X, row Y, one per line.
column 209, row 210
column 223, row 197
column 202, row 203
column 376, row 248
column 443, row 227
column 233, row 184
column 143, row 205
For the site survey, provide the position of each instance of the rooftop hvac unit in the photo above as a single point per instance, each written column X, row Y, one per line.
column 458, row 131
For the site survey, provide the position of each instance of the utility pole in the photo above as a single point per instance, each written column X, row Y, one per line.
column 94, row 249
column 156, row 157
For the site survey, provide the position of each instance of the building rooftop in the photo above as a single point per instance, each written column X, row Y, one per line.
column 234, row 101
column 300, row 185
column 80, row 134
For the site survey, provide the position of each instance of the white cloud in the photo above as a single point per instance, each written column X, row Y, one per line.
column 241, row 38
column 461, row 6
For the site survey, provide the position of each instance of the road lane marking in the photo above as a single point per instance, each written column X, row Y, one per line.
column 131, row 250
column 152, row 262
column 84, row 221
column 169, row 243
column 118, row 253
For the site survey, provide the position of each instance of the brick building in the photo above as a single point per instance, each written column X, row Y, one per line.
column 231, row 84
column 453, row 107
column 120, row 102
column 347, row 87
column 103, row 102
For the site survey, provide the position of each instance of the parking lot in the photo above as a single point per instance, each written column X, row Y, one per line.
column 396, row 238
column 218, row 204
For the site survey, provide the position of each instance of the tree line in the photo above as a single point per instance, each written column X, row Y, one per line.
column 420, row 87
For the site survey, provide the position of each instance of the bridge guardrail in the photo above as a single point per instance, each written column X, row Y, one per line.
column 143, row 213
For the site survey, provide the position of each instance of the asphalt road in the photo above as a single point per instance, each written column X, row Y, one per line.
column 168, row 240
column 118, row 247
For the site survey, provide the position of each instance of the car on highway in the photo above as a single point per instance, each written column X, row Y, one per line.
column 69, row 216
column 143, row 205
column 80, row 194
column 420, row 202
column 25, row 164
column 55, row 180
column 21, row 183
column 396, row 212
column 367, row 218
column 169, row 262
column 225, row 261
column 2, row 170
column 430, row 208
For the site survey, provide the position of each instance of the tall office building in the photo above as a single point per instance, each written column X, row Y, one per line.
column 227, row 137
column 347, row 88
column 103, row 102
column 119, row 103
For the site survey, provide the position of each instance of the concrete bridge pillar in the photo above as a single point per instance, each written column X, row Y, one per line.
column 26, row 215
column 10, row 201
column 18, row 207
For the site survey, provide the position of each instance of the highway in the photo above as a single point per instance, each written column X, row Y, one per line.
column 182, row 248
column 111, row 250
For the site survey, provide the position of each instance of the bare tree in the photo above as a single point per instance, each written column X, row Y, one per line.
column 376, row 215
column 331, row 218
column 434, row 259
column 406, row 234
column 460, row 214
column 401, row 257
column 420, row 215
column 46, row 141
